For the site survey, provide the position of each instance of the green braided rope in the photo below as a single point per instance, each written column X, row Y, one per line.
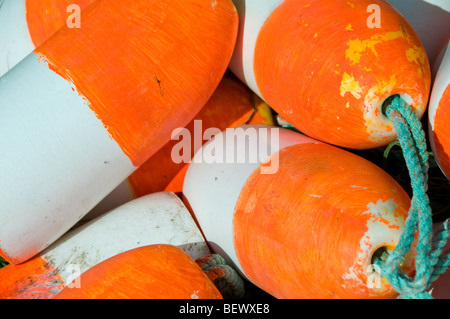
column 227, row 280
column 210, row 260
column 430, row 262
column 230, row 285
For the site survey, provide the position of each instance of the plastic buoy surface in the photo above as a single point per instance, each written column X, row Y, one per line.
column 439, row 111
column 26, row 24
column 150, row 272
column 231, row 105
column 309, row 229
column 326, row 71
column 159, row 218
column 88, row 107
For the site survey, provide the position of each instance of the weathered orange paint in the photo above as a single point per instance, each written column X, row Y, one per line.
column 46, row 17
column 332, row 72
column 10, row 260
column 33, row 279
column 149, row 272
column 309, row 238
column 231, row 105
column 144, row 67
column 441, row 137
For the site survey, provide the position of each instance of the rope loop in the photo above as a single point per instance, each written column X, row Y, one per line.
column 430, row 262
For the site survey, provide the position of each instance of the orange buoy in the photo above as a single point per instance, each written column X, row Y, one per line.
column 90, row 105
column 26, row 24
column 159, row 218
column 231, row 105
column 326, row 69
column 439, row 110
column 304, row 220
column 150, row 272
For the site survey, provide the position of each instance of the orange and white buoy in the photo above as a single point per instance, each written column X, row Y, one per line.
column 150, row 272
column 299, row 218
column 26, row 24
column 439, row 110
column 327, row 69
column 90, row 105
column 231, row 105
column 429, row 18
column 159, row 218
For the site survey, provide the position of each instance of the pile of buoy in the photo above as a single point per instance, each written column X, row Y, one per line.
column 198, row 149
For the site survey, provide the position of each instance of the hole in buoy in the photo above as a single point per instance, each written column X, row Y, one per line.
column 380, row 254
column 387, row 102
column 374, row 277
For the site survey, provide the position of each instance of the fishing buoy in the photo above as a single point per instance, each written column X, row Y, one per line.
column 90, row 105
column 439, row 111
column 429, row 18
column 159, row 218
column 326, row 68
column 151, row 272
column 298, row 218
column 26, row 24
column 231, row 105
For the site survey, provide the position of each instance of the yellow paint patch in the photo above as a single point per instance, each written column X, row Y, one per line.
column 349, row 84
column 315, row 35
column 417, row 55
column 357, row 47
column 350, row 4
column 380, row 129
column 349, row 28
